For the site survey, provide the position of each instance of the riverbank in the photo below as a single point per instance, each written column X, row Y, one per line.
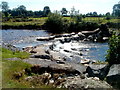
column 50, row 67
column 38, row 23
column 46, row 71
column 43, row 73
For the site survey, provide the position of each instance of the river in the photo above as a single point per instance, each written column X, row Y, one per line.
column 23, row 38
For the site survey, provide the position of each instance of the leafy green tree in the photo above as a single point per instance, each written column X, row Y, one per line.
column 113, row 56
column 21, row 8
column 107, row 14
column 20, row 11
column 64, row 11
column 95, row 14
column 46, row 10
column 116, row 10
column 5, row 6
column 38, row 13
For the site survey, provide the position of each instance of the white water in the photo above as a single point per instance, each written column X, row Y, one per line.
column 23, row 38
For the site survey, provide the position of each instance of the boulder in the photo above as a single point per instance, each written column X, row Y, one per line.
column 95, row 70
column 40, row 66
column 81, row 36
column 75, row 37
column 113, row 76
column 41, row 56
column 56, row 55
column 90, row 38
column 67, row 39
column 40, row 50
column 66, row 35
column 54, row 68
column 45, row 38
column 85, row 61
column 28, row 48
column 76, row 83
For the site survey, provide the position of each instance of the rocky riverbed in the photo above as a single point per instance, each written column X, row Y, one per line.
column 63, row 62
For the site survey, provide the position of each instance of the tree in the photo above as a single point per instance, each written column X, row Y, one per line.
column 95, row 14
column 21, row 8
column 38, row 13
column 116, row 10
column 46, row 10
column 5, row 6
column 64, row 11
column 72, row 12
column 108, row 14
column 113, row 56
column 21, row 11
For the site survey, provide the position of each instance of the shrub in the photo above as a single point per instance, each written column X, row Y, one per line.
column 113, row 56
column 55, row 23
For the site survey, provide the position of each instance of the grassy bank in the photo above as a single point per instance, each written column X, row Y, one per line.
column 38, row 23
column 11, row 69
column 26, row 23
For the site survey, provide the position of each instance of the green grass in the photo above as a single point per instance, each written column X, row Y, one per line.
column 10, row 68
column 10, row 54
column 41, row 21
column 34, row 21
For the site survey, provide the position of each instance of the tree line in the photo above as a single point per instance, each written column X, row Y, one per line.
column 21, row 11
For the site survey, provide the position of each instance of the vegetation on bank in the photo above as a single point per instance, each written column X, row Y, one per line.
column 10, row 54
column 39, row 23
column 113, row 56
column 73, row 20
column 12, row 69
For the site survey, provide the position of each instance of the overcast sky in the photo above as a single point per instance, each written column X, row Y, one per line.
column 84, row 6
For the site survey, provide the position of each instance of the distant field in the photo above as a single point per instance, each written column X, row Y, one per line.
column 33, row 22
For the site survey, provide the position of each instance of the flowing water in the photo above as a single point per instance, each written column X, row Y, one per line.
column 23, row 38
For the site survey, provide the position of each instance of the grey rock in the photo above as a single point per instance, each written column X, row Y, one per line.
column 13, row 59
column 41, row 56
column 113, row 76
column 77, row 83
column 81, row 36
column 85, row 61
column 67, row 39
column 45, row 38
column 99, row 71
column 76, row 37
column 54, row 67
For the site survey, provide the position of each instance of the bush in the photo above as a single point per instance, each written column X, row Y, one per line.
column 55, row 23
column 113, row 56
